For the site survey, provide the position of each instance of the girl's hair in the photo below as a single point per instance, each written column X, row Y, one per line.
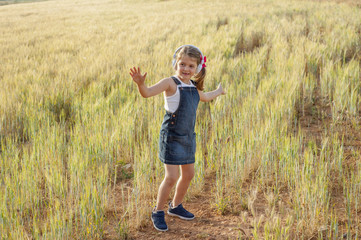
column 193, row 53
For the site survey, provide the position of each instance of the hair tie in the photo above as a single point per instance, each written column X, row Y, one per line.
column 204, row 65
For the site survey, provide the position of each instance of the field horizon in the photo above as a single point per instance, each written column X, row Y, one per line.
column 7, row 2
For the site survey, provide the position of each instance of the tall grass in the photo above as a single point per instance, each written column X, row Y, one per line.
column 73, row 126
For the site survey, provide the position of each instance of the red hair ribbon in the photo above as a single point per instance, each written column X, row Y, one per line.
column 205, row 60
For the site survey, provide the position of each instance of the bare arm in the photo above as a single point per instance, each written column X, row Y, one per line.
column 145, row 91
column 209, row 96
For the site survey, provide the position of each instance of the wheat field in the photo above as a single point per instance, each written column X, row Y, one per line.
column 283, row 145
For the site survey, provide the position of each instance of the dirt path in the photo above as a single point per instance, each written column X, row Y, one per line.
column 208, row 223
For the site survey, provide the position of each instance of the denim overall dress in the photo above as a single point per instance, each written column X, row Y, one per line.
column 177, row 140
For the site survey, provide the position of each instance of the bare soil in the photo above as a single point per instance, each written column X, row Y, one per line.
column 208, row 223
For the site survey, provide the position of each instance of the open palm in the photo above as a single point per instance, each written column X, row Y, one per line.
column 138, row 78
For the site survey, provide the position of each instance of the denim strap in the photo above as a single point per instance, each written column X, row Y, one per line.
column 176, row 80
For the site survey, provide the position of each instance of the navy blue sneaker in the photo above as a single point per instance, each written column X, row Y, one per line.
column 180, row 212
column 158, row 221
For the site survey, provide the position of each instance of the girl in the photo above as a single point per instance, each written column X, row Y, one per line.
column 177, row 144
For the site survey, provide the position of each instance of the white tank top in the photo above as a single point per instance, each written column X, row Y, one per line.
column 171, row 103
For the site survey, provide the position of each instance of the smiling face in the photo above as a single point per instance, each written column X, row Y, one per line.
column 185, row 68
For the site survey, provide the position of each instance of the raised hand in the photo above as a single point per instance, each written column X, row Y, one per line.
column 138, row 78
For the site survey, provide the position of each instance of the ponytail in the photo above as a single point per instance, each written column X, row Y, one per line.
column 199, row 79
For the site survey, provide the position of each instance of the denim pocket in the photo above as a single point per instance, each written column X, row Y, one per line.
column 194, row 143
column 179, row 145
column 162, row 141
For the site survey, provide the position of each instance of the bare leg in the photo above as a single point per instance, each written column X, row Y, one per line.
column 187, row 174
column 170, row 178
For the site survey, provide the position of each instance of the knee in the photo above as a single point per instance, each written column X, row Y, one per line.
column 188, row 176
column 171, row 180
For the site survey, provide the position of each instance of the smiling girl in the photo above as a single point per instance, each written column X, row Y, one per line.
column 177, row 143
